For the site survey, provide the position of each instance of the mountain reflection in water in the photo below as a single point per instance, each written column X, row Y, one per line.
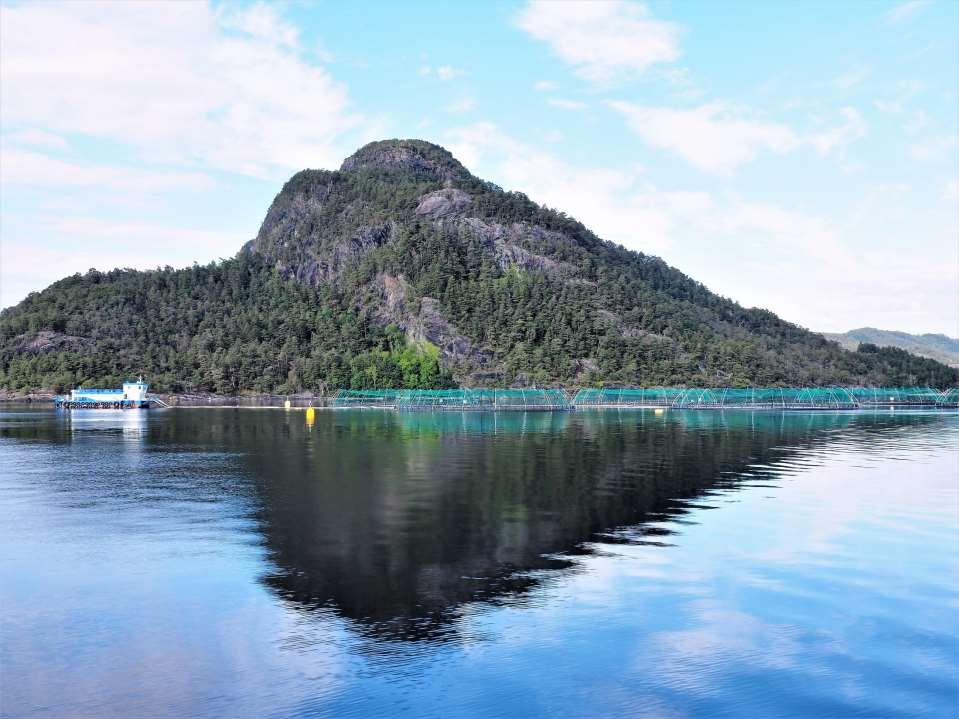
column 396, row 523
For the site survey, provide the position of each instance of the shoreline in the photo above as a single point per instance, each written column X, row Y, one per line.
column 189, row 399
column 605, row 398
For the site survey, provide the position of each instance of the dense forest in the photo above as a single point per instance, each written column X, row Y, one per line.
column 403, row 270
column 224, row 327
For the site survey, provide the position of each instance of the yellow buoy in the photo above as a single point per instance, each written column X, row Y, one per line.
column 310, row 416
column 286, row 405
column 659, row 410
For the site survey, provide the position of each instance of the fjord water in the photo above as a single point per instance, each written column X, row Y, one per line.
column 240, row 562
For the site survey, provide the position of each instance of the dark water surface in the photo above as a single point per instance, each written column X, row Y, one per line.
column 239, row 563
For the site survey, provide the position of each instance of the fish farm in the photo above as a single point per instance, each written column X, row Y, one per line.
column 455, row 399
column 752, row 398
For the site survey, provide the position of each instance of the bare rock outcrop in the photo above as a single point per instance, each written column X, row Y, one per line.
column 505, row 244
column 48, row 341
column 443, row 202
column 328, row 263
column 423, row 321
column 430, row 324
column 413, row 156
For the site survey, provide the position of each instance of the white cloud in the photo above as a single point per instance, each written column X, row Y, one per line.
column 901, row 97
column 544, row 86
column 565, row 104
column 916, row 122
column 719, row 138
column 176, row 82
column 38, row 138
column 446, row 72
column 904, row 104
column 443, row 72
column 461, row 105
column 321, row 52
column 262, row 22
column 683, row 84
column 25, row 167
column 711, row 137
column 602, row 40
column 851, row 78
column 140, row 235
column 891, row 107
column 938, row 148
column 950, row 191
column 839, row 137
column 905, row 10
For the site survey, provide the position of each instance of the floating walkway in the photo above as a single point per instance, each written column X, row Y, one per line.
column 753, row 398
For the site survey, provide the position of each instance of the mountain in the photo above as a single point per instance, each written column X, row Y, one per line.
column 938, row 347
column 402, row 269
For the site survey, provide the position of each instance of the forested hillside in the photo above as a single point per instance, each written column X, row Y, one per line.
column 224, row 328
column 403, row 270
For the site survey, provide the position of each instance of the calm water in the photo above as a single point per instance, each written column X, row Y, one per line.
column 237, row 562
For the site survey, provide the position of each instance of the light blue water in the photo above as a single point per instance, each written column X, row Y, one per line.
column 221, row 562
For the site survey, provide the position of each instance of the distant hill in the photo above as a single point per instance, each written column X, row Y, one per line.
column 402, row 269
column 938, row 347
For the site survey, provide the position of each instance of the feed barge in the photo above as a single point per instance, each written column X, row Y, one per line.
column 132, row 395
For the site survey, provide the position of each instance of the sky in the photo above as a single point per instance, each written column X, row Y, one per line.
column 802, row 157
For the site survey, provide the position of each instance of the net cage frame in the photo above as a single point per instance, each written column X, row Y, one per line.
column 717, row 397
column 367, row 398
column 896, row 396
column 767, row 398
column 486, row 399
column 949, row 398
column 626, row 397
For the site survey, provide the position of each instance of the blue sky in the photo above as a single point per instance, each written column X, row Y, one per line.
column 797, row 156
